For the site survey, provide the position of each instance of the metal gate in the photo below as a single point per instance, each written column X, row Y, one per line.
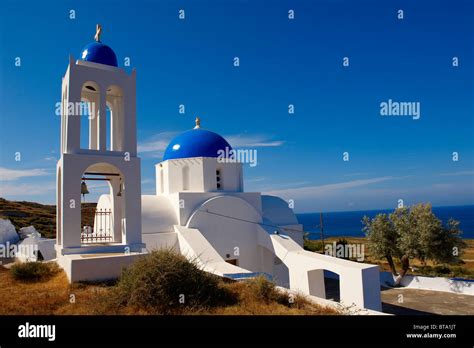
column 97, row 227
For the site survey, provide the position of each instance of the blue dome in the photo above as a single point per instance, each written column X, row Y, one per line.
column 196, row 142
column 97, row 52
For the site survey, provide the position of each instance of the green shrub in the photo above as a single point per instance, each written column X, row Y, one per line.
column 313, row 245
column 461, row 272
column 33, row 271
column 167, row 282
column 442, row 269
column 265, row 290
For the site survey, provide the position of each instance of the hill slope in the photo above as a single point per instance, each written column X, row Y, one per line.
column 23, row 214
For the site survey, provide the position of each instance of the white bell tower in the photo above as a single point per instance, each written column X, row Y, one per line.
column 95, row 83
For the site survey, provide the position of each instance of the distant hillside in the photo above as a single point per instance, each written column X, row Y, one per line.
column 23, row 214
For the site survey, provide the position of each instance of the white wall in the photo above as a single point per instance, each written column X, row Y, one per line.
column 226, row 234
column 158, row 214
column 465, row 287
column 201, row 176
column 190, row 201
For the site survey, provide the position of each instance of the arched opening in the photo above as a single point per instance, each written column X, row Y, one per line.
column 324, row 284
column 85, row 135
column 88, row 110
column 332, row 286
column 108, row 127
column 63, row 119
column 116, row 124
column 102, row 205
column 162, row 184
column 185, row 178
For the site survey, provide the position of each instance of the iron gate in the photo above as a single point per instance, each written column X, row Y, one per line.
column 97, row 226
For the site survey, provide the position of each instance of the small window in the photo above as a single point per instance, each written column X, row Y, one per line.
column 234, row 262
column 218, row 179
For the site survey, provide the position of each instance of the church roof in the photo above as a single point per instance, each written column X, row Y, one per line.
column 196, row 142
column 98, row 52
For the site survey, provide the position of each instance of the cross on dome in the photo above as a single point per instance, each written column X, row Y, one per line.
column 198, row 123
column 98, row 32
column 98, row 52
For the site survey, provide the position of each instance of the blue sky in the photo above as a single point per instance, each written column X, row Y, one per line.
column 282, row 62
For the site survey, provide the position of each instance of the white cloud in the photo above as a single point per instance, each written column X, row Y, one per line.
column 256, row 179
column 148, row 181
column 314, row 191
column 257, row 140
column 355, row 174
column 157, row 143
column 15, row 174
column 465, row 172
column 27, row 189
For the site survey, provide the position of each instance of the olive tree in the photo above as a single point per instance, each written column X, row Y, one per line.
column 383, row 238
column 413, row 232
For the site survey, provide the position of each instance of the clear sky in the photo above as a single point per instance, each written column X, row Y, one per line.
column 282, row 62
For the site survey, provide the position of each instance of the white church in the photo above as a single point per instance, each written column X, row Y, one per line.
column 199, row 209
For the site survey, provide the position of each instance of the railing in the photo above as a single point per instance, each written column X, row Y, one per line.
column 101, row 230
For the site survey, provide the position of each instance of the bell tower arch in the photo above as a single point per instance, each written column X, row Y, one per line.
column 90, row 86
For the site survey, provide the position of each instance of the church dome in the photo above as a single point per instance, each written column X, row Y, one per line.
column 97, row 52
column 196, row 142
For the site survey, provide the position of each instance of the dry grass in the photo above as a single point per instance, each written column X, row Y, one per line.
column 53, row 297
column 34, row 271
column 49, row 297
column 250, row 303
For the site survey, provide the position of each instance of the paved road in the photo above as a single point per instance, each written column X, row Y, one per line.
column 414, row 302
column 424, row 302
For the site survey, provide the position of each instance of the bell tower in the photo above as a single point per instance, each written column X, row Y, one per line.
column 95, row 88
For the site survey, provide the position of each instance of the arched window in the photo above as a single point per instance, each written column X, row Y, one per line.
column 85, row 127
column 63, row 119
column 185, row 178
column 162, row 183
column 103, row 204
column 117, row 124
column 88, row 111
column 109, row 127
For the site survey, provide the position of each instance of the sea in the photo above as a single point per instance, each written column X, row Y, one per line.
column 349, row 223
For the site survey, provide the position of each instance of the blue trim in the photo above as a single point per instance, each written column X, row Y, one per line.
column 240, row 276
column 462, row 280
